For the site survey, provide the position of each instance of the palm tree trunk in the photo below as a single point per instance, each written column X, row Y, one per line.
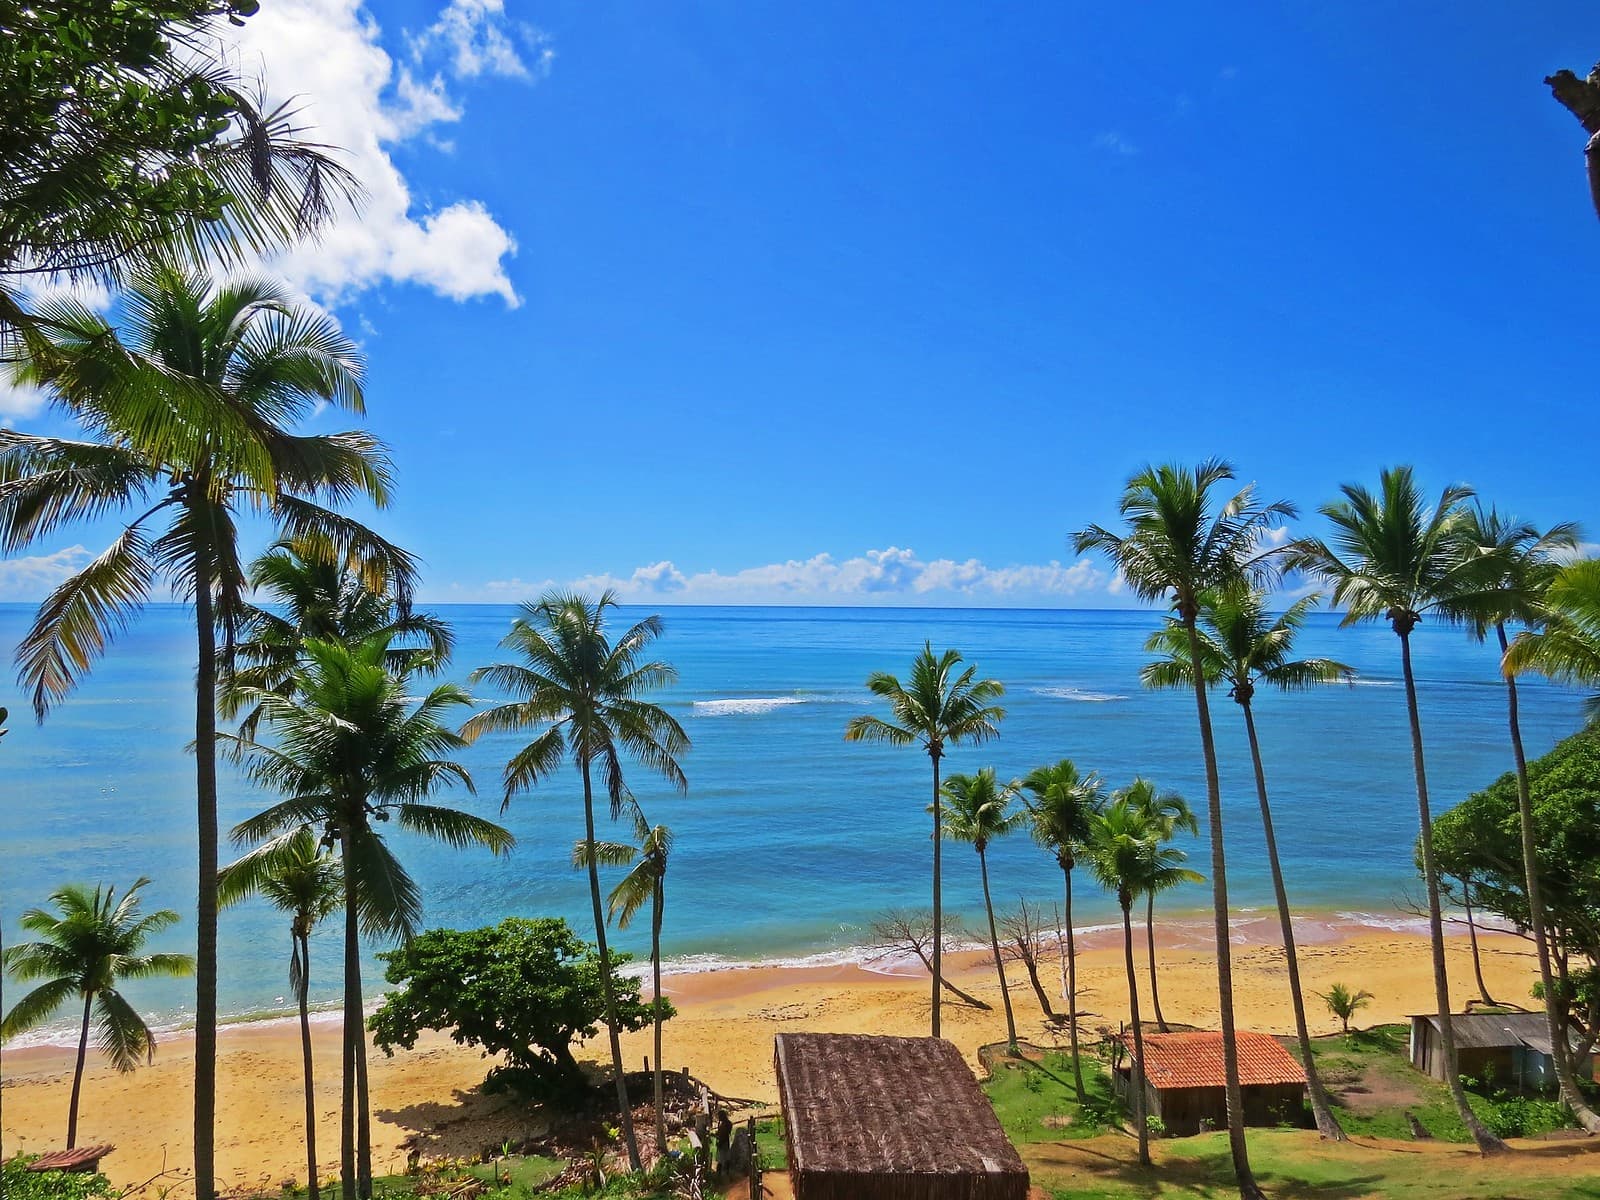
column 1472, row 936
column 358, row 1051
column 1136, row 1076
column 302, row 949
column 999, row 966
column 607, row 991
column 352, row 1021
column 1585, row 1115
column 1487, row 1142
column 1150, row 944
column 1248, row 1188
column 938, row 908
column 77, row 1074
column 1072, row 991
column 655, row 967
column 205, row 917
column 1327, row 1124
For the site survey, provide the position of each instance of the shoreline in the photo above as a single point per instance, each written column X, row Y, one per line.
column 428, row 1098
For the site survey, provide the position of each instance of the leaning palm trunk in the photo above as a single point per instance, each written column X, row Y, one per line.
column 1585, row 1115
column 205, row 956
column 938, row 907
column 1327, row 1124
column 999, row 964
column 352, row 1023
column 1248, row 1188
column 1487, row 1142
column 302, row 951
column 660, row 903
column 1072, row 990
column 1472, row 936
column 1136, row 1076
column 1150, row 945
column 607, row 991
column 77, row 1074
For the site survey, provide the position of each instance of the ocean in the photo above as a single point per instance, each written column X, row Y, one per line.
column 789, row 840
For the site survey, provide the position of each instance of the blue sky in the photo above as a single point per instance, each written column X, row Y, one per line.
column 914, row 289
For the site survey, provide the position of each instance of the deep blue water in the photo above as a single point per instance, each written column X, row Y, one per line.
column 789, row 839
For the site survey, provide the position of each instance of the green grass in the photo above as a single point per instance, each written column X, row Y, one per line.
column 1037, row 1102
column 769, row 1142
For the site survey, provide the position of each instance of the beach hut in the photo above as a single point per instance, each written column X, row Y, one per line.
column 1186, row 1088
column 894, row 1118
column 1510, row 1050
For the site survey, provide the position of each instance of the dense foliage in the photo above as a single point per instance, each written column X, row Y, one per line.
column 526, row 989
column 19, row 1183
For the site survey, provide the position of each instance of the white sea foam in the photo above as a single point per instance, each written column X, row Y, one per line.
column 1079, row 694
column 744, row 706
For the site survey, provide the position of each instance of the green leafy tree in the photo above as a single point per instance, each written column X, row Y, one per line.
column 645, row 883
column 1344, row 1003
column 1393, row 556
column 353, row 748
column 297, row 875
column 584, row 692
column 88, row 946
column 1244, row 647
column 1061, row 800
column 1167, row 813
column 524, row 988
column 940, row 705
column 1184, row 538
column 190, row 409
column 979, row 812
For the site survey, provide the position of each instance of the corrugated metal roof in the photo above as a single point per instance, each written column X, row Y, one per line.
column 1496, row 1031
column 1192, row 1060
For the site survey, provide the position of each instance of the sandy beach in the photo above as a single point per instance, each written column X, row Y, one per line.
column 428, row 1098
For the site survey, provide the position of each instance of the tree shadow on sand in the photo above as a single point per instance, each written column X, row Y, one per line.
column 467, row 1127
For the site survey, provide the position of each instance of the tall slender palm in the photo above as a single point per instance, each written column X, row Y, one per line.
column 1061, row 801
column 584, row 692
column 190, row 408
column 1244, row 647
column 1168, row 813
column 90, row 944
column 1185, row 538
column 1395, row 557
column 646, row 882
column 1125, row 856
column 299, row 876
column 941, row 705
column 979, row 812
column 1566, row 644
column 1516, row 565
column 353, row 748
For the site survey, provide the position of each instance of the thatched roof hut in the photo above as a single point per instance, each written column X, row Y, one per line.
column 891, row 1117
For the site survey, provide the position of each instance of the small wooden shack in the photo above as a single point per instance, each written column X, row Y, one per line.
column 1186, row 1088
column 1510, row 1050
column 894, row 1118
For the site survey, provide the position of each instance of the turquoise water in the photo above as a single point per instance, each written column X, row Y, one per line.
column 790, row 840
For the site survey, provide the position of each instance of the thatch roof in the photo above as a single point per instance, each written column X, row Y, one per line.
column 893, row 1117
column 1194, row 1060
column 1497, row 1031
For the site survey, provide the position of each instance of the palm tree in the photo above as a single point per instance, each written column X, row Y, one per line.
column 1518, row 565
column 190, row 409
column 1061, row 802
column 299, row 876
column 584, row 693
column 1125, row 857
column 1566, row 644
column 1167, row 813
column 1394, row 557
column 90, row 944
column 353, row 747
column 1344, row 1004
column 940, row 706
column 645, row 882
column 1243, row 647
column 1180, row 543
column 979, row 813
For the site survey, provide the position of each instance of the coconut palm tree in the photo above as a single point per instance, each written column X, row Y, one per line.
column 1242, row 646
column 1393, row 556
column 646, row 882
column 1344, row 1003
column 298, row 875
column 1060, row 802
column 1125, row 856
column 1168, row 813
column 584, row 692
column 1566, row 644
column 980, row 811
column 353, row 748
column 939, row 706
column 89, row 945
column 1517, row 565
column 1184, row 538
column 190, row 408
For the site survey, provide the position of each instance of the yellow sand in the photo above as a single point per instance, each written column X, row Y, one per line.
column 723, row 1033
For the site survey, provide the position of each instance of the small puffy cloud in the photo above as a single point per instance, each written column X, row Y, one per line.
column 19, row 401
column 478, row 39
column 1113, row 142
column 35, row 577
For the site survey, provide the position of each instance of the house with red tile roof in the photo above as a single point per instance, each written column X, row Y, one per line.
column 1184, row 1082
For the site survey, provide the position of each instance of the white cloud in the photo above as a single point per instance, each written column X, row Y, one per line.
column 480, row 40
column 19, row 401
column 1115, row 143
column 328, row 56
column 35, row 577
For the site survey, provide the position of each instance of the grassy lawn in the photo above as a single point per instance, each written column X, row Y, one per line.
column 1037, row 1102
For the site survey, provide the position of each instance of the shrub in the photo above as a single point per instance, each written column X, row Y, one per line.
column 19, row 1183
